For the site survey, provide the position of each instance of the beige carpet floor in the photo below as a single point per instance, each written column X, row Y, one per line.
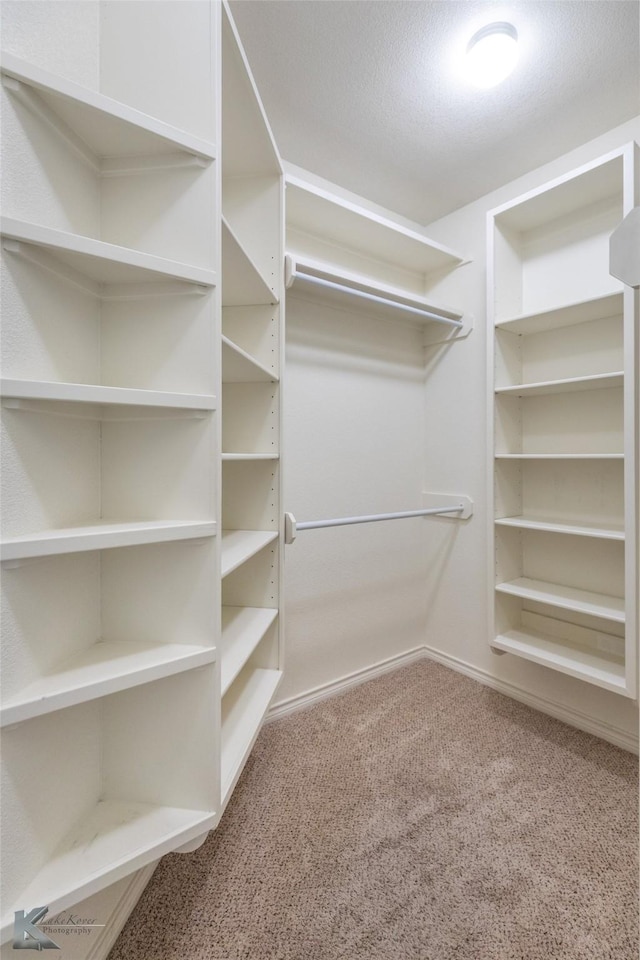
column 420, row 816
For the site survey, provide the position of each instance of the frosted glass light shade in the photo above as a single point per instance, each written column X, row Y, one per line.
column 492, row 53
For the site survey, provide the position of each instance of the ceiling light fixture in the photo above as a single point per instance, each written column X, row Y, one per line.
column 492, row 54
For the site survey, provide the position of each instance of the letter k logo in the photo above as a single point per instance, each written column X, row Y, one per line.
column 26, row 936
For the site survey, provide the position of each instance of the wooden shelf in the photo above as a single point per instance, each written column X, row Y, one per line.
column 243, row 284
column 250, row 456
column 103, row 536
column 242, row 630
column 564, row 658
column 559, row 456
column 99, row 262
column 566, row 598
column 102, row 669
column 602, row 531
column 114, row 840
column 582, row 311
column 95, row 397
column 238, row 366
column 243, row 710
column 104, row 126
column 601, row 381
column 312, row 210
column 238, row 546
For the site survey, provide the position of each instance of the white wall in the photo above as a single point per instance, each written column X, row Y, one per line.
column 360, row 438
column 60, row 36
column 455, row 453
column 354, row 422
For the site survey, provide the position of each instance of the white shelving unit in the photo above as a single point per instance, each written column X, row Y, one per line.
column 110, row 386
column 251, row 647
column 346, row 256
column 563, row 424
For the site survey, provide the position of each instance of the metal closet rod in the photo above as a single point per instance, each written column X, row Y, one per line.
column 292, row 526
column 387, row 301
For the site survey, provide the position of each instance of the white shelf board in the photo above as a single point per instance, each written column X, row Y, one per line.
column 242, row 283
column 595, row 181
column 559, row 456
column 355, row 291
column 238, row 366
column 103, row 262
column 582, row 311
column 250, row 456
column 109, row 128
column 114, row 840
column 242, row 630
column 102, row 669
column 600, row 381
column 103, row 536
column 315, row 211
column 249, row 148
column 83, row 393
column 566, row 659
column 566, row 598
column 239, row 545
column 241, row 722
column 603, row 531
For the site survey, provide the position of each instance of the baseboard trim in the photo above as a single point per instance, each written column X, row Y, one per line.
column 121, row 912
column 574, row 718
column 326, row 690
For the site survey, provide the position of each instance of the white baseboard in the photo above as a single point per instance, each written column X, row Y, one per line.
column 574, row 718
column 303, row 700
column 121, row 912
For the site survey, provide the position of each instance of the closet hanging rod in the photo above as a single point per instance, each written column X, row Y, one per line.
column 373, row 297
column 291, row 525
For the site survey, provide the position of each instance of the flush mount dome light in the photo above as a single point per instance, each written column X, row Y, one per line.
column 492, row 53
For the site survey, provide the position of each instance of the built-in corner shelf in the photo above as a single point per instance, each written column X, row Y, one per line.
column 94, row 260
column 91, row 400
column 242, row 630
column 591, row 528
column 101, row 129
column 337, row 221
column 243, row 710
column 102, row 536
column 102, row 669
column 238, row 546
column 601, row 381
column 566, row 598
column 238, row 366
column 559, row 456
column 577, row 312
column 114, row 840
column 243, row 283
column 572, row 660
column 562, row 356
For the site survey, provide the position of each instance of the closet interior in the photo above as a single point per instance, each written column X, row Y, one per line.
column 150, row 237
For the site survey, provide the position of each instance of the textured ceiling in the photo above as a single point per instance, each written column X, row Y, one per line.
column 366, row 93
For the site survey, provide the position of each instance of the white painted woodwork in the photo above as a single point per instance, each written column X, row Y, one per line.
column 325, row 227
column 243, row 709
column 238, row 546
column 252, row 345
column 563, row 409
column 238, row 366
column 111, row 249
column 242, row 630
